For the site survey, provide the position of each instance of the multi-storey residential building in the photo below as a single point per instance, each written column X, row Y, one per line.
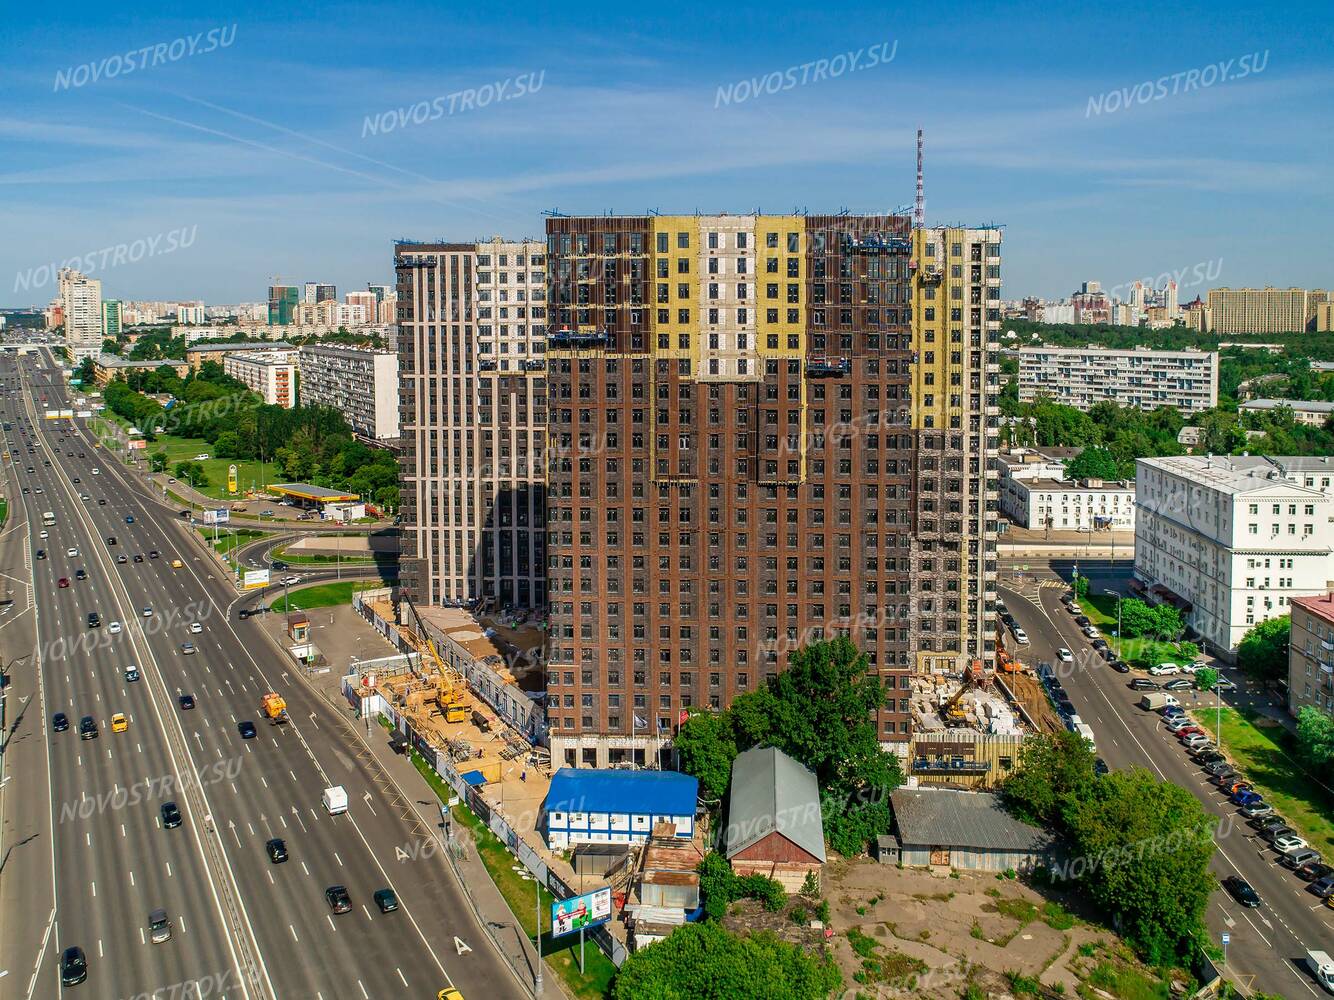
column 113, row 318
column 473, row 420
column 1083, row 376
column 1311, row 654
column 1260, row 310
column 1311, row 412
column 1066, row 505
column 273, row 378
column 197, row 354
column 1232, row 540
column 744, row 455
column 283, row 300
column 361, row 383
column 81, row 305
column 192, row 313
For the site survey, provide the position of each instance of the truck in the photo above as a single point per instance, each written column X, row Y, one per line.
column 274, row 708
column 1321, row 967
column 1154, row 700
column 335, row 800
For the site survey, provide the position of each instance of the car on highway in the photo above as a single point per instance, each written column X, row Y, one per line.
column 278, row 564
column 111, row 539
column 72, row 552
column 41, row 553
column 339, row 899
column 131, row 673
column 1241, row 891
column 176, row 564
column 1287, row 842
column 76, row 479
column 87, row 728
column 73, row 966
column 97, row 471
column 293, row 580
column 114, row 628
column 153, row 553
column 147, row 612
column 186, row 701
column 122, row 559
column 94, row 620
column 196, row 628
column 62, row 583
column 1143, row 684
column 43, row 534
column 159, row 927
column 129, row 518
column 138, row 557
column 60, row 722
column 187, row 648
column 386, row 900
column 119, row 723
column 1062, row 654
column 80, row 574
column 276, row 850
column 247, row 729
column 171, row 815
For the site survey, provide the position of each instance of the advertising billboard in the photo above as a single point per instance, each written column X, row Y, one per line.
column 231, row 479
column 255, row 578
column 220, row 516
column 139, row 445
column 579, row 913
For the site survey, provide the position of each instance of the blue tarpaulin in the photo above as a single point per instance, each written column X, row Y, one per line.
column 474, row 778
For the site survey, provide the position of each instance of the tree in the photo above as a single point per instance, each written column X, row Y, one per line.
column 1206, row 678
column 1081, row 586
column 84, row 373
column 1145, row 847
column 227, row 445
column 1315, row 738
column 110, row 346
column 1052, row 771
column 1093, row 463
column 1137, row 618
column 706, row 747
column 704, row 961
column 157, row 461
column 1167, row 622
column 1263, row 651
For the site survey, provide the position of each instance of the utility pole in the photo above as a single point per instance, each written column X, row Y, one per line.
column 537, row 980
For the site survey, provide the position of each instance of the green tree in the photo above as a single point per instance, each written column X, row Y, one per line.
column 1081, row 587
column 1206, row 678
column 1052, row 771
column 1315, row 738
column 1137, row 618
column 1093, row 463
column 1145, row 847
column 703, row 961
column 227, row 445
column 706, row 747
column 84, row 372
column 1263, row 651
column 1167, row 622
column 157, row 461
column 110, row 346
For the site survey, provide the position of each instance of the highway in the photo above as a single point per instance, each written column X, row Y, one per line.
column 1266, row 943
column 265, row 926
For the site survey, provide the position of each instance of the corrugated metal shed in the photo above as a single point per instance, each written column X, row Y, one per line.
column 607, row 790
column 944, row 817
column 772, row 793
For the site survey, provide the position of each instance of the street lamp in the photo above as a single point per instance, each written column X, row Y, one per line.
column 1113, row 593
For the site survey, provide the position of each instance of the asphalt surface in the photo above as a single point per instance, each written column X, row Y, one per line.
column 264, row 930
column 1266, row 944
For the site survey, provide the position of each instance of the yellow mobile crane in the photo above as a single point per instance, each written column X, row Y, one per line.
column 451, row 688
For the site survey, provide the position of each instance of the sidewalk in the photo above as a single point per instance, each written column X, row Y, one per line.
column 340, row 633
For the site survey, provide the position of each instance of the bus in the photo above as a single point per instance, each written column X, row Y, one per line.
column 49, row 519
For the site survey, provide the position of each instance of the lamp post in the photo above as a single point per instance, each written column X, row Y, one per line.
column 1113, row 593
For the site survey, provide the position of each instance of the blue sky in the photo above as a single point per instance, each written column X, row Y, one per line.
column 260, row 148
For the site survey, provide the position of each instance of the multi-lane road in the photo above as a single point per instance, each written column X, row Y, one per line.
column 262, row 929
column 1266, row 943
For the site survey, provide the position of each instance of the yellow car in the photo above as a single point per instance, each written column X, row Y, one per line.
column 449, row 994
column 176, row 564
column 1329, row 901
column 119, row 723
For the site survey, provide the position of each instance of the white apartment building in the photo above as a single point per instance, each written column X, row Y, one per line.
column 1063, row 505
column 1083, row 376
column 192, row 314
column 81, row 305
column 473, row 396
column 1231, row 540
column 359, row 382
column 1312, row 412
column 272, row 377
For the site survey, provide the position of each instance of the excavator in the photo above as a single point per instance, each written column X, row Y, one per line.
column 450, row 688
column 952, row 712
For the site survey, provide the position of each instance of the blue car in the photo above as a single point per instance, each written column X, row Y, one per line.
column 1245, row 797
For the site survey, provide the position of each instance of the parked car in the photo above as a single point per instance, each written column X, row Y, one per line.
column 1179, row 684
column 1255, row 810
column 1314, row 871
column 1143, row 684
column 1164, row 669
column 1209, row 756
column 1323, row 887
column 1287, row 842
column 1300, row 857
column 1271, row 833
column 1246, row 797
column 1223, row 684
column 1120, row 666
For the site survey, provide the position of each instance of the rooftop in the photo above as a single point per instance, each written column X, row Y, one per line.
column 1242, row 473
column 944, row 817
column 276, row 345
column 1310, row 405
column 1078, row 486
column 658, row 793
column 771, row 792
column 308, row 492
column 1320, row 605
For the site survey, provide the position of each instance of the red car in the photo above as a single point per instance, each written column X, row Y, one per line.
column 64, row 582
column 1190, row 731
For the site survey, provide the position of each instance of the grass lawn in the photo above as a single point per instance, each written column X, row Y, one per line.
column 229, row 538
column 1141, row 653
column 324, row 595
column 561, row 955
column 179, row 449
column 1260, row 750
column 4, row 512
column 305, row 559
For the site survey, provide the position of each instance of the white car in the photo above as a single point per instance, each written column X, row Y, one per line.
column 97, row 472
column 1065, row 656
column 1021, row 637
column 1178, row 723
column 1091, row 632
column 1164, row 669
column 71, row 552
column 1074, row 608
column 1195, row 741
column 1288, row 842
column 148, row 612
column 196, row 628
column 201, row 457
column 114, row 628
column 1190, row 668
column 43, row 533
column 290, row 580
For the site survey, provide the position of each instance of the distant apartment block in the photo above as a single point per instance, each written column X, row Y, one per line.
column 1263, row 310
column 1311, row 654
column 273, row 378
column 1146, row 379
column 1034, row 493
column 113, row 318
column 1311, row 412
column 197, row 354
column 1231, row 541
column 81, row 306
column 473, row 421
column 190, row 314
column 360, row 383
column 283, row 300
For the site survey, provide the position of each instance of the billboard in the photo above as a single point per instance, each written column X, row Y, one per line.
column 231, row 479
column 138, row 445
column 67, row 414
column 84, row 413
column 255, row 578
column 581, row 912
column 220, row 516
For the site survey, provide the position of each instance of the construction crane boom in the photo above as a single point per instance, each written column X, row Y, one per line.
column 451, row 697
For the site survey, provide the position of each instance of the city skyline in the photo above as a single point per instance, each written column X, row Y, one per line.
column 279, row 161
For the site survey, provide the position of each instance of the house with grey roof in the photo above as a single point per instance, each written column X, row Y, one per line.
column 773, row 818
column 970, row 831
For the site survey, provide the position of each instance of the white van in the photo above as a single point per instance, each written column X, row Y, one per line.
column 335, row 800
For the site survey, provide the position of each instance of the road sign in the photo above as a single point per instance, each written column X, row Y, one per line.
column 1227, row 939
column 220, row 516
column 256, row 578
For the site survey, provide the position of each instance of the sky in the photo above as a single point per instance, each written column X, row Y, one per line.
column 197, row 151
